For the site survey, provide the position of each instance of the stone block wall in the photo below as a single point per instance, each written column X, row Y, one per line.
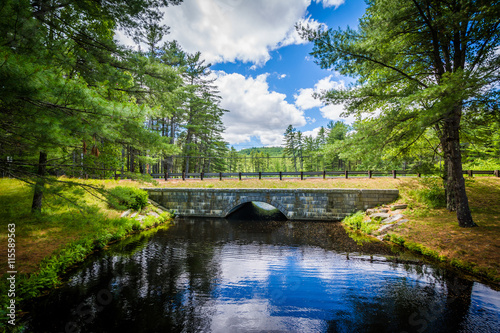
column 295, row 204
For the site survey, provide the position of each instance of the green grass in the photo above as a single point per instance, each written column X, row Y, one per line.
column 431, row 193
column 357, row 221
column 73, row 223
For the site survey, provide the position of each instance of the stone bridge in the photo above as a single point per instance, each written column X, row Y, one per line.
column 295, row 204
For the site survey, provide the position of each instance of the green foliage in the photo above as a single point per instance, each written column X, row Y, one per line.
column 292, row 145
column 59, row 221
column 482, row 164
column 432, row 194
column 97, row 231
column 272, row 151
column 128, row 197
column 413, row 84
column 356, row 222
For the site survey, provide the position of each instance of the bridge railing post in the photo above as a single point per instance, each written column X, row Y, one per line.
column 346, row 174
column 220, row 176
column 324, row 174
column 281, row 175
column 260, row 175
column 239, row 175
column 201, row 176
column 166, row 176
column 394, row 174
column 183, row 175
column 302, row 175
column 369, row 174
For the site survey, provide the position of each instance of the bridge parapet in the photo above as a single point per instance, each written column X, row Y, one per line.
column 295, row 204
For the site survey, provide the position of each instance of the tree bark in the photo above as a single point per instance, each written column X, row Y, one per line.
column 131, row 167
column 456, row 196
column 36, row 206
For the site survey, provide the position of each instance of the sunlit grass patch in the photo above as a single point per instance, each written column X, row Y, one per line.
column 73, row 223
column 358, row 222
column 474, row 249
column 68, row 214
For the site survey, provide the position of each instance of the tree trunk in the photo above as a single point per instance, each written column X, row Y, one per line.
column 456, row 196
column 36, row 206
column 186, row 167
column 169, row 161
column 131, row 167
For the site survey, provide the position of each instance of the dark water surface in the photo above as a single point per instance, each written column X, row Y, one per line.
column 205, row 275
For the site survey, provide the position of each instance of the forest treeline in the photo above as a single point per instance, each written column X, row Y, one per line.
column 343, row 147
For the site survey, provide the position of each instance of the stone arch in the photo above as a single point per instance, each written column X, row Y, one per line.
column 235, row 204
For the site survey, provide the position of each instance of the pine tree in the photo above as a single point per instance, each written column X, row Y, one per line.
column 419, row 66
column 291, row 145
column 67, row 85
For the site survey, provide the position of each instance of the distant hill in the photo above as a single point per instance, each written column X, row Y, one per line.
column 272, row 151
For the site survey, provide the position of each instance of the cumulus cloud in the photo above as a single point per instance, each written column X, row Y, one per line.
column 330, row 3
column 305, row 98
column 293, row 38
column 254, row 110
column 313, row 133
column 230, row 30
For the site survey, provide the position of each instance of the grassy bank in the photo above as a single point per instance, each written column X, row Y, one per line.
column 48, row 244
column 433, row 231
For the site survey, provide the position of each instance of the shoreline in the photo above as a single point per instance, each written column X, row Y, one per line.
column 432, row 232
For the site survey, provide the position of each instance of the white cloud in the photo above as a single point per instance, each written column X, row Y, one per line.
column 254, row 111
column 334, row 111
column 229, row 30
column 313, row 133
column 293, row 37
column 330, row 3
column 305, row 100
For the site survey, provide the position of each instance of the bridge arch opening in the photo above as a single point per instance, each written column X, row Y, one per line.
column 256, row 210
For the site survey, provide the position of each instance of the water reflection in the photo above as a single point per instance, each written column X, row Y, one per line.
column 235, row 276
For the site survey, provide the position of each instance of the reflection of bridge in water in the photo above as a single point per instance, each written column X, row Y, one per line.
column 295, row 204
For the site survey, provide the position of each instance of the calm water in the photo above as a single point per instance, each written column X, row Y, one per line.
column 242, row 276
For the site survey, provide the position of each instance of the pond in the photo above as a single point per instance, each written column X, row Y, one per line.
column 216, row 275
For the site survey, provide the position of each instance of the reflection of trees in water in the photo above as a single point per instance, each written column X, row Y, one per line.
column 327, row 235
column 154, row 287
column 165, row 283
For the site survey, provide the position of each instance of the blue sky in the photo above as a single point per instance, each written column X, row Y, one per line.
column 264, row 71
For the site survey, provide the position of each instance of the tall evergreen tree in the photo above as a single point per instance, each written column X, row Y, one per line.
column 203, row 125
column 419, row 63
column 66, row 83
column 291, row 145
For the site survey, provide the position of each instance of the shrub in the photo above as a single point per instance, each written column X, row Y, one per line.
column 128, row 197
column 355, row 220
column 432, row 195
